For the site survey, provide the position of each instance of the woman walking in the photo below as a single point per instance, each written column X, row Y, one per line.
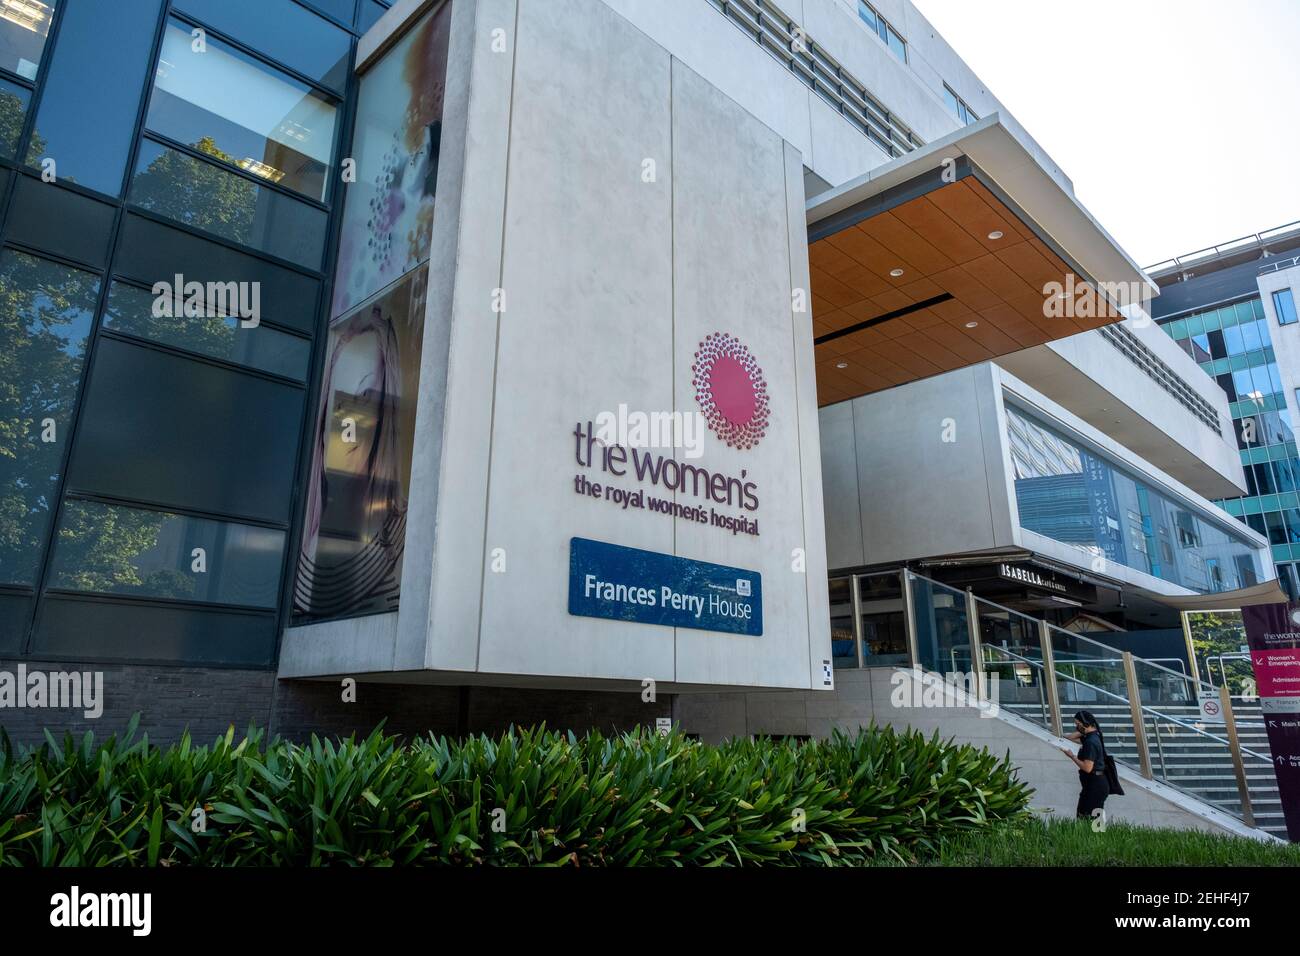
column 1091, row 761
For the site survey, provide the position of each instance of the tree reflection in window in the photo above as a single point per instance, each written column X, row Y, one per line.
column 45, row 317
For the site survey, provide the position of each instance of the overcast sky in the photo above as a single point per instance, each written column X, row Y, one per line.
column 1178, row 120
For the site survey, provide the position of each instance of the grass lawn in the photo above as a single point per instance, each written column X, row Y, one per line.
column 1058, row 842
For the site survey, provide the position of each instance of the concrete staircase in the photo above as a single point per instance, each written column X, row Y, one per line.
column 1191, row 762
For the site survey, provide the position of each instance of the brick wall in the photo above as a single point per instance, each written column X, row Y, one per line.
column 208, row 700
column 169, row 699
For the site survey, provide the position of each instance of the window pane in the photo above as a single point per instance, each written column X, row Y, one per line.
column 1232, row 340
column 45, row 315
column 386, row 218
column 1264, row 479
column 131, row 310
column 149, row 251
column 357, row 492
column 1228, row 384
column 340, row 10
column 200, row 194
column 13, row 110
column 1276, row 528
column 897, row 46
column 1216, row 344
column 283, row 31
column 80, row 628
column 177, row 433
column 15, row 611
column 24, row 25
column 868, row 16
column 1285, row 475
column 1284, row 305
column 60, row 221
column 105, row 549
column 86, row 119
column 232, row 107
column 954, row 105
column 1250, row 339
column 370, row 13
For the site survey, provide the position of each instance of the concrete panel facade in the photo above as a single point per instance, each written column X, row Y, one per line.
column 674, row 215
column 949, row 432
column 908, row 441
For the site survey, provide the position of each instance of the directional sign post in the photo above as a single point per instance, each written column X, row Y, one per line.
column 1273, row 634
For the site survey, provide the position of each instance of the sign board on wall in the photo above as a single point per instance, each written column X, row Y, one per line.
column 627, row 584
column 1273, row 635
column 1211, row 708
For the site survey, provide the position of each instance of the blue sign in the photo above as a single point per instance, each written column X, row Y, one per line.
column 627, row 584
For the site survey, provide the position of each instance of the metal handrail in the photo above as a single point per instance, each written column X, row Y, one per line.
column 1181, row 676
column 1049, row 673
column 1279, row 265
column 1177, row 721
column 1145, row 708
column 1034, row 622
column 1254, row 239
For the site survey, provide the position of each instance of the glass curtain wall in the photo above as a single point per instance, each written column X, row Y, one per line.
column 1232, row 343
column 162, row 284
column 868, row 623
column 1067, row 492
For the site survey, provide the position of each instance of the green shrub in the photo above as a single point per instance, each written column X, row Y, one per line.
column 527, row 798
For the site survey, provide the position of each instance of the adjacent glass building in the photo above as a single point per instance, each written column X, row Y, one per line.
column 150, row 459
column 1217, row 313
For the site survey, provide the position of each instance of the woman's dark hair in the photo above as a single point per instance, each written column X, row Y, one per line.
column 1085, row 717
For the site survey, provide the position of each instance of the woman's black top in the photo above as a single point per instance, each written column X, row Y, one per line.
column 1090, row 749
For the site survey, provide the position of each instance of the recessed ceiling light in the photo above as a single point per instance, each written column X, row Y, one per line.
column 971, row 325
column 995, row 234
column 895, row 272
column 841, row 364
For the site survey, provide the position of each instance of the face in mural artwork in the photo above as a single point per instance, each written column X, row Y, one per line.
column 350, row 560
column 354, row 532
column 731, row 390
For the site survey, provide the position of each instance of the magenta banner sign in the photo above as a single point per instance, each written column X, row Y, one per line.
column 1273, row 635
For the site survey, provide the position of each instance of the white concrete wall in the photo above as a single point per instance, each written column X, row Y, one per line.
column 610, row 281
column 911, row 491
column 863, row 697
column 704, row 40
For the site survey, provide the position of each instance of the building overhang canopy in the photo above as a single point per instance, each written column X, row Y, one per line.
column 1266, row 592
column 959, row 252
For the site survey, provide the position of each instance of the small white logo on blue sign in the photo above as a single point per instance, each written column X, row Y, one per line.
column 627, row 584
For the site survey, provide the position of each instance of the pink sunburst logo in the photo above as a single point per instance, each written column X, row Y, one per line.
column 731, row 391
